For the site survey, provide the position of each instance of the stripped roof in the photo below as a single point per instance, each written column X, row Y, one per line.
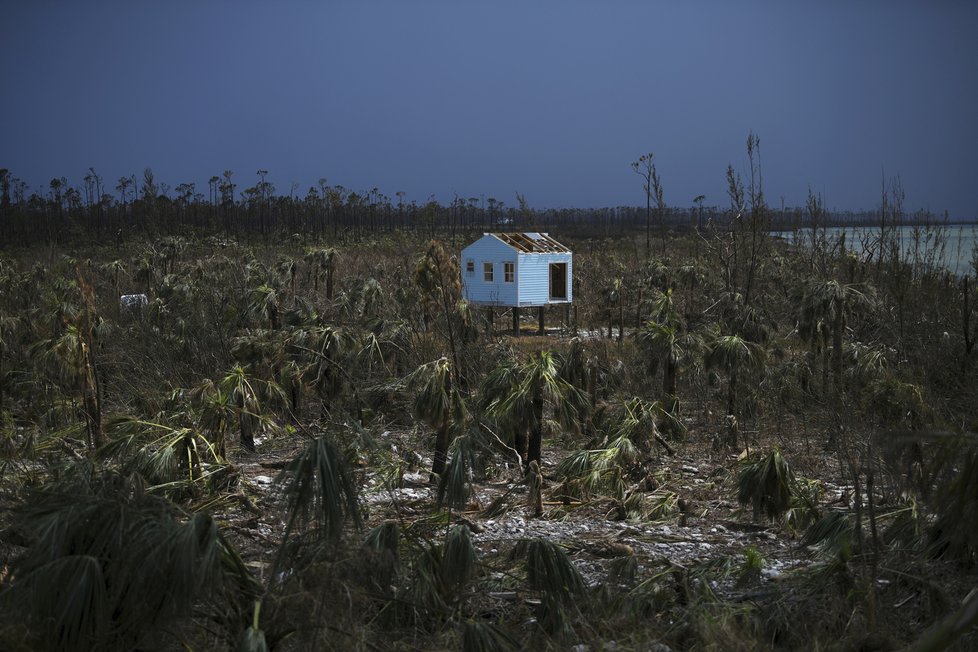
column 532, row 243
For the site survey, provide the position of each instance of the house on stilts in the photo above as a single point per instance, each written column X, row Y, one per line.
column 517, row 270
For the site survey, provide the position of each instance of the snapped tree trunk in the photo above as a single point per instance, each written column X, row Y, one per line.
column 969, row 343
column 247, row 431
column 329, row 280
column 441, row 451
column 536, row 436
column 838, row 327
column 621, row 319
column 732, row 392
column 669, row 378
column 90, row 400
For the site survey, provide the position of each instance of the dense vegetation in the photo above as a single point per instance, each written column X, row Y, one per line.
column 714, row 381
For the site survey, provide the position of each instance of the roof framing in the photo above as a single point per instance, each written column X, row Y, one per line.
column 532, row 243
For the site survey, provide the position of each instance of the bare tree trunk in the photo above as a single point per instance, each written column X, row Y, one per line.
column 969, row 343
column 441, row 451
column 536, row 436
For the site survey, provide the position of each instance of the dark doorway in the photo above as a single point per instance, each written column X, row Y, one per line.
column 558, row 281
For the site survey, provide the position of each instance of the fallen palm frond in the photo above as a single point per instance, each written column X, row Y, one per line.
column 604, row 469
column 159, row 452
column 831, row 535
column 654, row 506
column 804, row 504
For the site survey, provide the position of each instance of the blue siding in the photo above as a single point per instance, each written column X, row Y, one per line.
column 532, row 275
column 488, row 249
column 534, row 278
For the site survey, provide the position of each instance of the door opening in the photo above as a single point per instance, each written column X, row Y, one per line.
column 558, row 281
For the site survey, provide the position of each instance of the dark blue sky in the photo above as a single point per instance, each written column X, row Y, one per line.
column 551, row 98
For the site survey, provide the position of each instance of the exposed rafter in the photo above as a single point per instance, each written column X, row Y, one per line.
column 532, row 243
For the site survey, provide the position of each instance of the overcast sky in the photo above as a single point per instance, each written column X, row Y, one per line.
column 549, row 98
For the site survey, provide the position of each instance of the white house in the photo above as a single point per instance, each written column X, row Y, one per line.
column 517, row 270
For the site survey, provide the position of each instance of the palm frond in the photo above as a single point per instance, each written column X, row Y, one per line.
column 766, row 484
column 73, row 614
column 381, row 548
column 458, row 562
column 319, row 488
column 478, row 636
column 830, row 535
column 548, row 569
column 253, row 639
column 453, row 485
column 111, row 565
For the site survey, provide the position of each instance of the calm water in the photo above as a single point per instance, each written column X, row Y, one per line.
column 950, row 246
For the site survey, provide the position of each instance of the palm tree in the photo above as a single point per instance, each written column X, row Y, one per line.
column 288, row 267
column 524, row 390
column 117, row 268
column 70, row 357
column 438, row 277
column 614, row 294
column 8, row 324
column 249, row 397
column 767, row 484
column 437, row 403
column 323, row 260
column 214, row 413
column 734, row 355
column 828, row 305
column 264, row 302
column 666, row 341
column 326, row 346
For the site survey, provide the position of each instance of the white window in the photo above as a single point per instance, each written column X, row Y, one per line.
column 469, row 267
column 509, row 272
column 487, row 272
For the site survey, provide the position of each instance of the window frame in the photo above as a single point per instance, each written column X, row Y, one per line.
column 469, row 267
column 509, row 272
column 488, row 272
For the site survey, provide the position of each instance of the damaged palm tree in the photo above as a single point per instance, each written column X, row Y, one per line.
column 736, row 356
column 524, row 390
column 767, row 485
column 437, row 403
column 826, row 308
column 113, row 567
column 249, row 396
column 666, row 341
column 437, row 276
column 72, row 357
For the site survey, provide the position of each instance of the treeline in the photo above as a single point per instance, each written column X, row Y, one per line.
column 148, row 207
column 98, row 209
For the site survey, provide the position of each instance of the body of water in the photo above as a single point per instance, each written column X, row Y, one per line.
column 952, row 246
